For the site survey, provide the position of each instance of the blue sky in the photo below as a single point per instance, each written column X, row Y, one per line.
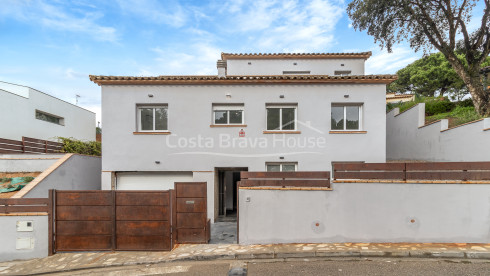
column 54, row 45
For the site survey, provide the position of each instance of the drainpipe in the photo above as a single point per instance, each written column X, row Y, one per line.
column 221, row 65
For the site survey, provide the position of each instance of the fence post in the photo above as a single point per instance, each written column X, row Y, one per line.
column 45, row 146
column 405, row 172
column 23, row 145
column 52, row 222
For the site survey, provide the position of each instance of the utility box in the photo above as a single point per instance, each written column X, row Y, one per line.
column 25, row 226
column 24, row 243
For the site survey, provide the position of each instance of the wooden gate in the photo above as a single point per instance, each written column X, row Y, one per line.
column 191, row 212
column 112, row 220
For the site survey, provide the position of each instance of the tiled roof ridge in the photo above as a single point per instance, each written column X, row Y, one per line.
column 299, row 55
column 240, row 79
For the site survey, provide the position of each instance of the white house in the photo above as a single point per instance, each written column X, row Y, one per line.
column 25, row 111
column 274, row 112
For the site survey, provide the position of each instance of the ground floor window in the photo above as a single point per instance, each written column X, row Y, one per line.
column 281, row 167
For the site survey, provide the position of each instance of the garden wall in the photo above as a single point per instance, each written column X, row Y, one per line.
column 366, row 212
column 408, row 138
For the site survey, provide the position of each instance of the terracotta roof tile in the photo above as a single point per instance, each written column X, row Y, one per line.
column 363, row 55
column 272, row 79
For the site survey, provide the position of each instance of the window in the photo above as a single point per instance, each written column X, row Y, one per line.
column 342, row 73
column 281, row 117
column 281, row 167
column 49, row 118
column 346, row 117
column 153, row 118
column 228, row 114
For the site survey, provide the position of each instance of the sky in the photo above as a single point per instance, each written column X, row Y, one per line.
column 53, row 46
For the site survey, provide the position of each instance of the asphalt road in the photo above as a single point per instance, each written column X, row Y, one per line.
column 373, row 266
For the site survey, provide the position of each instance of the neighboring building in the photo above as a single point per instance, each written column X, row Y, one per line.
column 397, row 98
column 25, row 111
column 275, row 112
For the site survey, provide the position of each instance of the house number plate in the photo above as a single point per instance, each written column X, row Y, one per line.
column 189, row 202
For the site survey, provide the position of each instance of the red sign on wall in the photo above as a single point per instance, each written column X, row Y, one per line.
column 241, row 133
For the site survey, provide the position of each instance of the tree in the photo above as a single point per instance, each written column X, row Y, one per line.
column 429, row 24
column 431, row 75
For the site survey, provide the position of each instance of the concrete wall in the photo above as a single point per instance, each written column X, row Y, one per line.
column 27, row 162
column 408, row 138
column 79, row 172
column 367, row 212
column 190, row 117
column 10, row 235
column 18, row 116
column 277, row 66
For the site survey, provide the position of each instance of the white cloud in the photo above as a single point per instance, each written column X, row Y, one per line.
column 294, row 25
column 57, row 17
column 167, row 12
column 383, row 62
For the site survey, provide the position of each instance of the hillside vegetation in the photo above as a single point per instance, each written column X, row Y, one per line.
column 437, row 108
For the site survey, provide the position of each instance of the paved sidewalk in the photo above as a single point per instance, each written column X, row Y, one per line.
column 64, row 262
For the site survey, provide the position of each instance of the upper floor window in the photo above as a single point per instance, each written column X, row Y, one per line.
column 281, row 117
column 153, row 118
column 228, row 114
column 346, row 117
column 49, row 118
column 281, row 167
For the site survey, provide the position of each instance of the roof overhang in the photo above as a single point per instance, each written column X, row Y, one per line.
column 232, row 80
column 362, row 55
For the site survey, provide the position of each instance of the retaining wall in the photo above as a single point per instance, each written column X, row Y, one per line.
column 408, row 138
column 367, row 212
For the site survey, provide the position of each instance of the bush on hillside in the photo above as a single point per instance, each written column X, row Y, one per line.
column 436, row 106
column 71, row 145
column 465, row 103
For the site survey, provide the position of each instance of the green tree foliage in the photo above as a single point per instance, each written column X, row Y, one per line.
column 71, row 145
column 432, row 75
column 432, row 24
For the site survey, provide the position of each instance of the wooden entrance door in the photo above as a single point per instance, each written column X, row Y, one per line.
column 192, row 225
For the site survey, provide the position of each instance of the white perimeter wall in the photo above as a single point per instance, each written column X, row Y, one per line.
column 18, row 117
column 408, row 139
column 367, row 212
column 9, row 235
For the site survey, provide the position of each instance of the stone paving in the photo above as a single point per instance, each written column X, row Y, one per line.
column 64, row 262
column 223, row 232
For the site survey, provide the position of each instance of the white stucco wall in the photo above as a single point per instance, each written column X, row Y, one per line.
column 190, row 116
column 18, row 117
column 408, row 139
column 277, row 66
column 27, row 162
column 9, row 236
column 79, row 172
column 367, row 212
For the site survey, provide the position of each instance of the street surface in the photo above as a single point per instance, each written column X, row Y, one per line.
column 344, row 266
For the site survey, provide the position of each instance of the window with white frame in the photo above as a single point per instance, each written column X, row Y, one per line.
column 228, row 114
column 153, row 118
column 281, row 167
column 281, row 117
column 346, row 117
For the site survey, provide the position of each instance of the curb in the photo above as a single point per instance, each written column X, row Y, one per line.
column 477, row 255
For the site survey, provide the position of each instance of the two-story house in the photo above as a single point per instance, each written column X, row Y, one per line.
column 262, row 112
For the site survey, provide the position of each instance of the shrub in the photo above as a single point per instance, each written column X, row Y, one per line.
column 436, row 106
column 465, row 103
column 5, row 179
column 71, row 145
column 28, row 179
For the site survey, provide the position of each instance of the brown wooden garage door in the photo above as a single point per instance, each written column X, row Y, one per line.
column 112, row 220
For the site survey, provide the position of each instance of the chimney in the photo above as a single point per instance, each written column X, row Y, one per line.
column 221, row 65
